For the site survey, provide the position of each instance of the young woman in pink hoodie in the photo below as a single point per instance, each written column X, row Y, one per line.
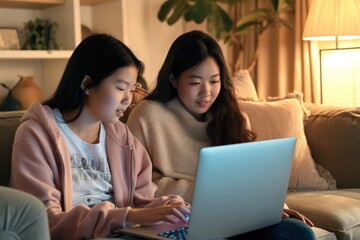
column 72, row 152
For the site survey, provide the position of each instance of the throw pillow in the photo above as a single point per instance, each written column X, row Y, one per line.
column 297, row 95
column 244, row 86
column 281, row 119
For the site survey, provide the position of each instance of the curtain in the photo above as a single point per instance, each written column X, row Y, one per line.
column 242, row 49
column 307, row 58
column 276, row 61
column 285, row 62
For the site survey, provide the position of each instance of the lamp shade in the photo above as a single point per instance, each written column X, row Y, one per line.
column 333, row 20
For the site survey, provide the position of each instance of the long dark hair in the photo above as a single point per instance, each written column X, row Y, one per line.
column 98, row 57
column 191, row 48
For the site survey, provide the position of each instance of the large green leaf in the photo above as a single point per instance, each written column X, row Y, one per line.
column 278, row 20
column 254, row 16
column 165, row 9
column 247, row 27
column 179, row 10
column 219, row 22
column 199, row 11
column 225, row 19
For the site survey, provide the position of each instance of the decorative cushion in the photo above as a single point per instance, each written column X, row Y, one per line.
column 297, row 95
column 244, row 86
column 281, row 119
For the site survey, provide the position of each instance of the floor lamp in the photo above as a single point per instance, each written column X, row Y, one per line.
column 336, row 20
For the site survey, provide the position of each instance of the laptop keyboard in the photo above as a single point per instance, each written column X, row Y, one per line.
column 180, row 233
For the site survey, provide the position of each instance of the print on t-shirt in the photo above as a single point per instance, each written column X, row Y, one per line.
column 87, row 170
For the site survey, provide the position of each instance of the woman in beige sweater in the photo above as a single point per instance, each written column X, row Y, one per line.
column 193, row 106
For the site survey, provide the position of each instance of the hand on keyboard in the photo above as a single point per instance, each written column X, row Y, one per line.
column 173, row 213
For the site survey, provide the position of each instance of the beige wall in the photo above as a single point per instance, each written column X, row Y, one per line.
column 149, row 38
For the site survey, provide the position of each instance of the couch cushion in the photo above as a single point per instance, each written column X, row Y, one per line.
column 337, row 211
column 9, row 121
column 333, row 135
column 321, row 234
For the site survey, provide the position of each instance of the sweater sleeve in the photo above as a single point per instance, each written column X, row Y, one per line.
column 145, row 188
column 168, row 185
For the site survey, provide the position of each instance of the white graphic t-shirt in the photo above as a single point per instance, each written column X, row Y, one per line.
column 91, row 176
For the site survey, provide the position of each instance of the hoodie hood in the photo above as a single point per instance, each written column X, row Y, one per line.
column 43, row 115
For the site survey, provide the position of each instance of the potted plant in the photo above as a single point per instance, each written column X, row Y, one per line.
column 39, row 34
column 219, row 22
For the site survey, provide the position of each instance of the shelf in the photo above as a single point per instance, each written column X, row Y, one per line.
column 36, row 4
column 34, row 54
column 93, row 2
column 45, row 66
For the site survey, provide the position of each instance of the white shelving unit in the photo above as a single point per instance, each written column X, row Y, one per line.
column 47, row 66
column 132, row 21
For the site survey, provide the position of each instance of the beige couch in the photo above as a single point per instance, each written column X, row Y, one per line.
column 333, row 135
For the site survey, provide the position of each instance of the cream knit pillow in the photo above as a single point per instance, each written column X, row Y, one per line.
column 244, row 86
column 280, row 119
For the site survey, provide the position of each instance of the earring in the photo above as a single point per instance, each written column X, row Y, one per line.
column 86, row 91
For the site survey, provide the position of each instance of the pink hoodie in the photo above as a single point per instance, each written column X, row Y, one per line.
column 41, row 166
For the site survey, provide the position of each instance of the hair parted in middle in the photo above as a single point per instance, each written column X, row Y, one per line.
column 188, row 50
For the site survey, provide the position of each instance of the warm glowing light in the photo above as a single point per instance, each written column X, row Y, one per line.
column 331, row 19
column 330, row 38
column 340, row 77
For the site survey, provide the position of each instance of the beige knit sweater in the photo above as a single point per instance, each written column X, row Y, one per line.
column 173, row 138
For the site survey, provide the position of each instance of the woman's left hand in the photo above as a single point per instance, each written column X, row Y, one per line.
column 289, row 213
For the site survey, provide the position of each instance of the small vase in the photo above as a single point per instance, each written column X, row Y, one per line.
column 26, row 91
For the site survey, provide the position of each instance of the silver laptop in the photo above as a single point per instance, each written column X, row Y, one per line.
column 238, row 188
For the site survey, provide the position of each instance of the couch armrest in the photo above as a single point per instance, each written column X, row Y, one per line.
column 333, row 135
column 9, row 121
